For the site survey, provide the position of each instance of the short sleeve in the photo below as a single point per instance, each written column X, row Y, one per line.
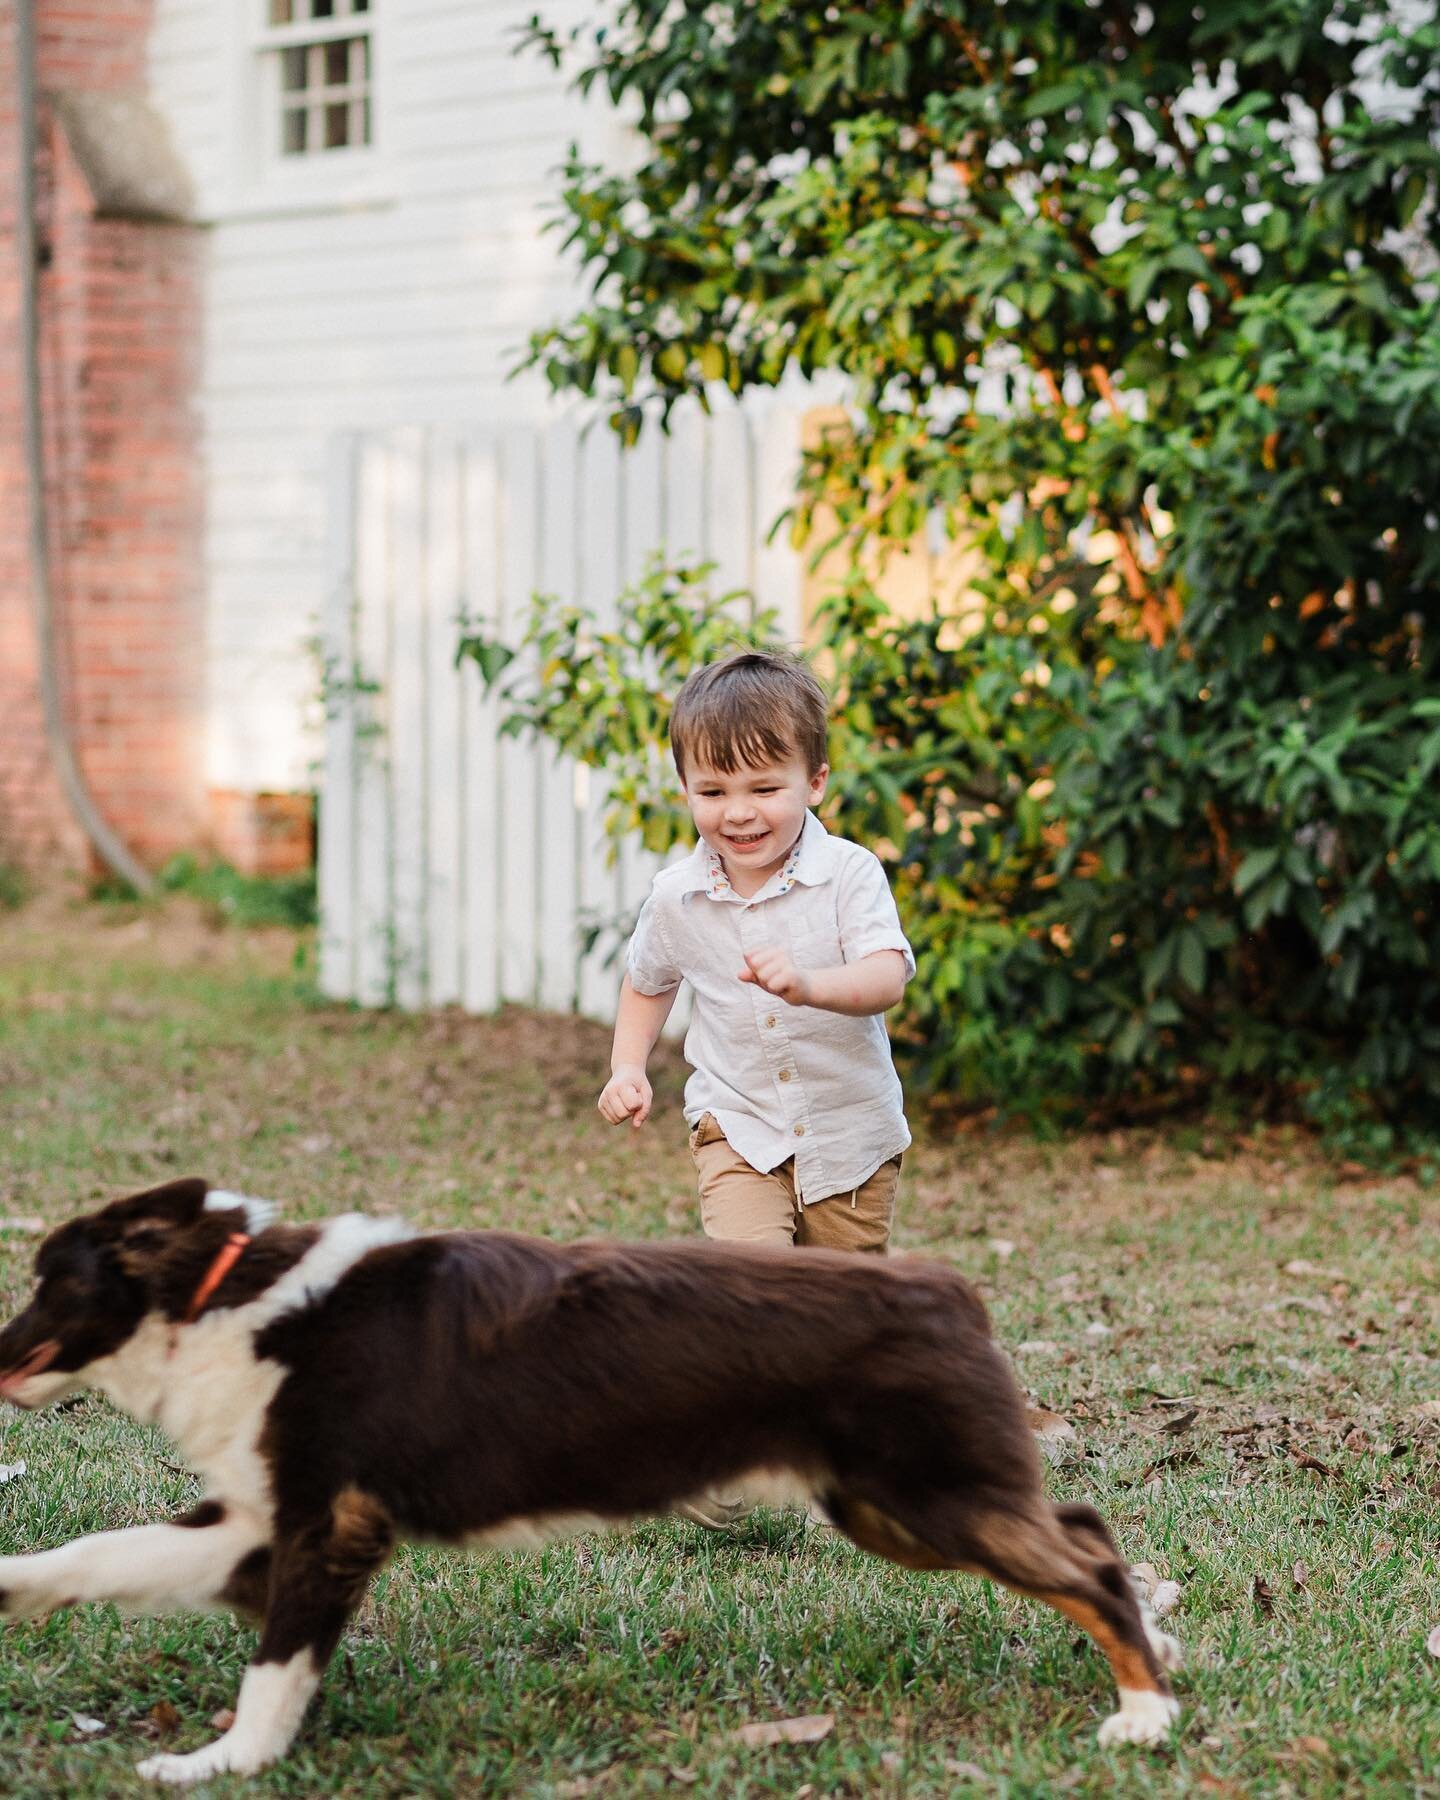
column 648, row 961
column 869, row 920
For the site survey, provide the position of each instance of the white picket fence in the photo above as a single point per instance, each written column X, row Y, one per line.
column 456, row 866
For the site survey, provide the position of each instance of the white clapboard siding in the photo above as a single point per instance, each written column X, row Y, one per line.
column 457, row 865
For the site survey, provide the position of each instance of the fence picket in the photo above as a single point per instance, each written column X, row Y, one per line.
column 564, row 510
column 444, row 783
column 335, row 874
column 409, row 715
column 518, row 848
column 374, row 898
column 480, row 731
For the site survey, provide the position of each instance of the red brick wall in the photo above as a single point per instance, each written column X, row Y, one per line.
column 120, row 337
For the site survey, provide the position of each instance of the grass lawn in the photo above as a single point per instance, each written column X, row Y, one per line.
column 1243, row 1338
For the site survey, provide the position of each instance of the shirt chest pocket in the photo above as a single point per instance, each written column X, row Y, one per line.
column 816, row 949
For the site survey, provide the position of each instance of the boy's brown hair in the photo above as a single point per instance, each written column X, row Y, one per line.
column 754, row 707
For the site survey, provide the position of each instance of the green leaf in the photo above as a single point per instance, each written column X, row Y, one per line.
column 1256, row 865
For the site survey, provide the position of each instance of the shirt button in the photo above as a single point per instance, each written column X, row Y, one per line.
column 799, row 1131
column 770, row 1021
column 784, row 1074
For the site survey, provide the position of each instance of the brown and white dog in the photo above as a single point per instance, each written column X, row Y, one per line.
column 341, row 1386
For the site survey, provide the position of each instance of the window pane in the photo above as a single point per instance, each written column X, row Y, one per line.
column 337, row 119
column 337, row 63
column 359, row 5
column 292, row 131
column 292, row 70
column 322, row 9
column 280, row 12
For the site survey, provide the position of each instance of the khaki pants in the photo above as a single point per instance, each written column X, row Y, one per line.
column 741, row 1205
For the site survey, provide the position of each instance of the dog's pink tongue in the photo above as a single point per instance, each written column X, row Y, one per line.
column 39, row 1359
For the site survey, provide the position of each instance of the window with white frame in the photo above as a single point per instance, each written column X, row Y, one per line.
column 319, row 61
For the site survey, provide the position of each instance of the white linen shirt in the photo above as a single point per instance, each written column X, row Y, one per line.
column 781, row 1080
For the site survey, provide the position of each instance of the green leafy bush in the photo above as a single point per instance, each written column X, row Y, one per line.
column 1140, row 302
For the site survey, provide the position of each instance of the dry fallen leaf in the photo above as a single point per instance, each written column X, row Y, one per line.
column 222, row 1720
column 1304, row 1749
column 1000, row 1248
column 1147, row 1575
column 29, row 1226
column 84, row 1723
column 1165, row 1598
column 162, row 1720
column 1161, row 1596
column 1263, row 1596
column 1300, row 1575
column 1432, row 1643
column 11, row 1471
column 1056, row 1435
column 807, row 1730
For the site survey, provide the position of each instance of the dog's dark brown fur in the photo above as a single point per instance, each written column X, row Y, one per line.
column 448, row 1386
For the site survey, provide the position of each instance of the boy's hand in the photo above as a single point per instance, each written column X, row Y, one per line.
column 770, row 968
column 626, row 1095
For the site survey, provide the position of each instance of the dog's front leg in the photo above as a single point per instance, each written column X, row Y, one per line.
column 182, row 1566
column 318, row 1574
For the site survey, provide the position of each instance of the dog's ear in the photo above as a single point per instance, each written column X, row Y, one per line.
column 156, row 1212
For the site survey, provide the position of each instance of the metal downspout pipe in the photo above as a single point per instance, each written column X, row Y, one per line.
column 108, row 846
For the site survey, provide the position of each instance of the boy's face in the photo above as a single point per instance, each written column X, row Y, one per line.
column 753, row 816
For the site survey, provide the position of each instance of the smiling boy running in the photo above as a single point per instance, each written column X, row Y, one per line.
column 792, row 945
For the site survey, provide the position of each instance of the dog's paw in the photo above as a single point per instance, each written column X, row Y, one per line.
column 1145, row 1717
column 196, row 1765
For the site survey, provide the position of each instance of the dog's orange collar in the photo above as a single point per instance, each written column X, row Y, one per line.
column 231, row 1251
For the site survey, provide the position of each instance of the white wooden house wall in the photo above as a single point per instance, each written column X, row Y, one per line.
column 367, row 290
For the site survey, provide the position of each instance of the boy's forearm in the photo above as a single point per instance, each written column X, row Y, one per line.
column 639, row 1020
column 858, row 989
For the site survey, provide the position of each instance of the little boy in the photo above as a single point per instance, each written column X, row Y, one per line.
column 792, row 946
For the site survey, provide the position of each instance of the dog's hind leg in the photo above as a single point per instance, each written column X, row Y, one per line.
column 1030, row 1546
column 1086, row 1525
column 317, row 1574
column 183, row 1566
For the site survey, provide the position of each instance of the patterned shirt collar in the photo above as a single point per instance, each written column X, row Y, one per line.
column 810, row 862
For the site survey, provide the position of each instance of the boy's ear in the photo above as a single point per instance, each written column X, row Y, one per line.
column 817, row 783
